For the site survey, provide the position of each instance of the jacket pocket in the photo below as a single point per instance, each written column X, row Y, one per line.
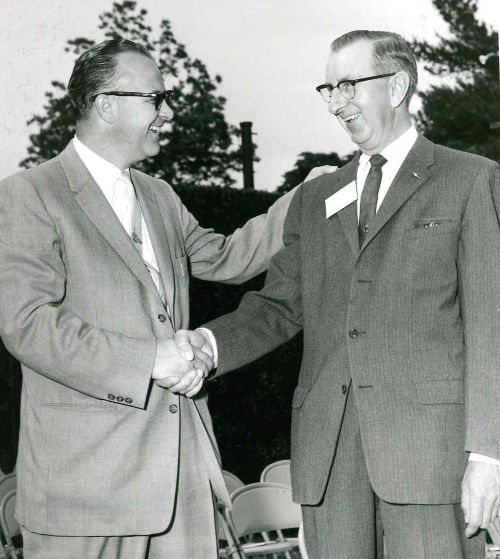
column 440, row 392
column 299, row 395
column 428, row 228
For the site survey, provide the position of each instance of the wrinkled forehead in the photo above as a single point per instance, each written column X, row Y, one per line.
column 350, row 62
column 138, row 72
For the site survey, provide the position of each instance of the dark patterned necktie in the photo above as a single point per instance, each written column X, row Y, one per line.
column 369, row 196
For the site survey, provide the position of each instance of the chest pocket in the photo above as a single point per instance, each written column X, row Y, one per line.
column 430, row 249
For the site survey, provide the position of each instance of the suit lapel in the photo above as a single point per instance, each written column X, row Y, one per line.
column 348, row 216
column 413, row 173
column 158, row 235
column 93, row 202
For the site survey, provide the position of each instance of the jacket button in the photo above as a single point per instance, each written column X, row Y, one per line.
column 111, row 396
column 344, row 388
column 162, row 317
column 128, row 400
column 365, row 229
column 173, row 408
column 119, row 398
column 353, row 334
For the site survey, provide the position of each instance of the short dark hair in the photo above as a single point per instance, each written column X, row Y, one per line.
column 391, row 53
column 95, row 70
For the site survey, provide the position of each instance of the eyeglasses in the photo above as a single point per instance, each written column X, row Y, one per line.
column 158, row 97
column 345, row 87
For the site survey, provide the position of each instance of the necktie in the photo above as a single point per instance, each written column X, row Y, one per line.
column 369, row 196
column 133, row 224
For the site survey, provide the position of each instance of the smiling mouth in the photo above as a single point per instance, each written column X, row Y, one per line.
column 155, row 129
column 350, row 118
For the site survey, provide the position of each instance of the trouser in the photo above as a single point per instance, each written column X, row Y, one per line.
column 191, row 534
column 344, row 524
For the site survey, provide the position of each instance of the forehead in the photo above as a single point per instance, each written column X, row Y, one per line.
column 138, row 72
column 352, row 61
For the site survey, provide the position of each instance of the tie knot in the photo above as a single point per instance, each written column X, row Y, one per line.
column 377, row 160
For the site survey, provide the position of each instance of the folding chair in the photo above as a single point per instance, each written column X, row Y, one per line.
column 277, row 472
column 9, row 525
column 302, row 543
column 494, row 531
column 261, row 508
column 233, row 482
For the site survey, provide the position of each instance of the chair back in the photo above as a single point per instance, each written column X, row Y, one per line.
column 10, row 526
column 8, row 482
column 233, row 482
column 277, row 472
column 263, row 507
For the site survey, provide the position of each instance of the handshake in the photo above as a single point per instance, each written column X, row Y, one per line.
column 183, row 363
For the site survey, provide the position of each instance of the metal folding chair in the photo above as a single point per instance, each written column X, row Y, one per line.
column 9, row 526
column 263, row 508
column 277, row 472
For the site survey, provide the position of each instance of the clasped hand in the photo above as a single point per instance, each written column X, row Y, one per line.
column 182, row 364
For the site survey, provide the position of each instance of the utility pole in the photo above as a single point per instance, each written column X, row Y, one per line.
column 247, row 155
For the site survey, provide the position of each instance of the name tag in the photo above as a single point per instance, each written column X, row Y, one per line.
column 345, row 196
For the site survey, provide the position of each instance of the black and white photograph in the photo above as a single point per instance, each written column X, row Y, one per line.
column 250, row 279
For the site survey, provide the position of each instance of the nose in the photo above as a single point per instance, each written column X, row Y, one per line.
column 166, row 112
column 337, row 102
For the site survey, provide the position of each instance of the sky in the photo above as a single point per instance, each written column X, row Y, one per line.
column 270, row 54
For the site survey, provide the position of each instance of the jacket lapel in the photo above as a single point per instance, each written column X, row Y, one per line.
column 93, row 202
column 158, row 235
column 348, row 216
column 413, row 173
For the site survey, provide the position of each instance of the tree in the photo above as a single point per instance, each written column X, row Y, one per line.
column 459, row 112
column 307, row 161
column 197, row 147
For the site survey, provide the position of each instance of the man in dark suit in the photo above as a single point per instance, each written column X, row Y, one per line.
column 93, row 284
column 391, row 267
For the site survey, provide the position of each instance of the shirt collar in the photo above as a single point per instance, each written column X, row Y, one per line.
column 103, row 172
column 396, row 151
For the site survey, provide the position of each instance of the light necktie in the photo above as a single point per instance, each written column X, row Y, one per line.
column 135, row 231
column 369, row 196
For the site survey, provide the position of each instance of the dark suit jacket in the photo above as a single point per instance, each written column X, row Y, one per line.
column 98, row 448
column 413, row 318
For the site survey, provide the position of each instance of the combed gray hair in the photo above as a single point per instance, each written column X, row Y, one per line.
column 391, row 53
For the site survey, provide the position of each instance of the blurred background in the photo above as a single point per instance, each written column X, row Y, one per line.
column 231, row 62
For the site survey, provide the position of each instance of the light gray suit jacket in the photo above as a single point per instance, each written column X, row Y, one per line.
column 412, row 317
column 98, row 449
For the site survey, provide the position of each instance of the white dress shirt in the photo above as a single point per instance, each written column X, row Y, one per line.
column 109, row 179
column 395, row 153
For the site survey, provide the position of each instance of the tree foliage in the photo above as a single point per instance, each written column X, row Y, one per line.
column 197, row 147
column 306, row 161
column 459, row 111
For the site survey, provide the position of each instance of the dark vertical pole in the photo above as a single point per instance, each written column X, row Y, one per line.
column 247, row 154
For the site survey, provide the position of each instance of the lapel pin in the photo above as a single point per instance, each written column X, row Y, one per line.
column 415, row 175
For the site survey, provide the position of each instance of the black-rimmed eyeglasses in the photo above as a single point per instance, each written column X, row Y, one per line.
column 346, row 87
column 158, row 97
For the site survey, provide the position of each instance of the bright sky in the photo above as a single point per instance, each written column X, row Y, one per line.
column 271, row 54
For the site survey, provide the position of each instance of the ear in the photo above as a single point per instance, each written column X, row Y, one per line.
column 105, row 107
column 399, row 85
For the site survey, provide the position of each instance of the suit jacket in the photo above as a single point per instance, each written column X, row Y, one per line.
column 98, row 448
column 412, row 317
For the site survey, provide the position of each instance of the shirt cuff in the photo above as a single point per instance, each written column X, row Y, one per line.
column 473, row 457
column 208, row 333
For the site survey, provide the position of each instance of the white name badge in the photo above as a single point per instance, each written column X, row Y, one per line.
column 342, row 198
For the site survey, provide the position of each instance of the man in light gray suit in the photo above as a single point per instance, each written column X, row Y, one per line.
column 392, row 269
column 93, row 284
